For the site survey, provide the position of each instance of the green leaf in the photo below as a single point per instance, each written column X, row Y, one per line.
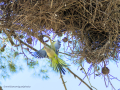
column 12, row 67
column 2, row 49
column 15, row 54
column 43, row 71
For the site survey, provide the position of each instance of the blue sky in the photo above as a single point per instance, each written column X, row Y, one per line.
column 28, row 81
column 26, row 78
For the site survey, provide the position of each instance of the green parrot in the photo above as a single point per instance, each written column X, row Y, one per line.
column 51, row 52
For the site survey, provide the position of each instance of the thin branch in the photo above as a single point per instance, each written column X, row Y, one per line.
column 87, row 77
column 27, row 45
column 110, row 82
column 63, row 81
column 65, row 53
column 51, row 4
column 41, row 40
column 11, row 41
column 87, row 72
column 79, row 78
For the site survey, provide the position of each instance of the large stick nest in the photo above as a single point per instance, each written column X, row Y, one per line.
column 94, row 23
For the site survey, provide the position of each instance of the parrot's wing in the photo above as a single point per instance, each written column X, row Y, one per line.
column 57, row 45
column 40, row 54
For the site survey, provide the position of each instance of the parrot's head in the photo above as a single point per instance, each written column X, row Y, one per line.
column 58, row 41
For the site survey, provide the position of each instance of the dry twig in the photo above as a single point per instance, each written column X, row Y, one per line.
column 79, row 78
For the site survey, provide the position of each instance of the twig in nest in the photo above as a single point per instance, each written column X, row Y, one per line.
column 51, row 4
column 79, row 78
column 63, row 81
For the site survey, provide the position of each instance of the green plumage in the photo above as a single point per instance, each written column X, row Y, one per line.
column 56, row 62
column 51, row 52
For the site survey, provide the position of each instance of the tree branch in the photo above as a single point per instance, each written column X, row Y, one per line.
column 27, row 45
column 63, row 81
column 79, row 78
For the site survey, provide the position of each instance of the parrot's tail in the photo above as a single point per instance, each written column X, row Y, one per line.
column 61, row 69
column 59, row 65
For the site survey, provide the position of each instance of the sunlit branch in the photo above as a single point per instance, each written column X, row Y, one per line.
column 6, row 43
column 9, row 37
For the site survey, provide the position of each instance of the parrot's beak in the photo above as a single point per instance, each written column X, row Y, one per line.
column 45, row 47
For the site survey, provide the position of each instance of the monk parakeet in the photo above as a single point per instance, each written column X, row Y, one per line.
column 52, row 53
